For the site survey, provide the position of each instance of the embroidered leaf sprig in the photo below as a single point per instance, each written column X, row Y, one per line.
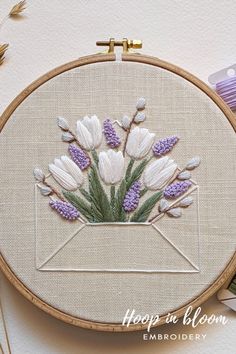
column 142, row 214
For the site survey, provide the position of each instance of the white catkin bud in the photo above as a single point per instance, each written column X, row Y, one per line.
column 38, row 174
column 125, row 121
column 193, row 163
column 184, row 203
column 67, row 137
column 140, row 117
column 62, row 123
column 44, row 190
column 140, row 103
column 175, row 212
column 184, row 175
column 164, row 205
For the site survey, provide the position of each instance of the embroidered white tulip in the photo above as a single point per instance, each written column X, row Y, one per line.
column 89, row 132
column 139, row 142
column 158, row 173
column 111, row 166
column 66, row 173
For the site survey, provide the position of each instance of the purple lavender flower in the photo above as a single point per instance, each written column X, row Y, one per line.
column 79, row 157
column 131, row 199
column 65, row 209
column 174, row 190
column 165, row 145
column 111, row 137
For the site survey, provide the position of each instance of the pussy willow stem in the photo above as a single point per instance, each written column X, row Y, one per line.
column 128, row 132
column 54, row 191
column 75, row 138
column 175, row 204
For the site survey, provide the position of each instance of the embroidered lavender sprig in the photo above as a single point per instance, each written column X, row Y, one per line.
column 112, row 139
column 175, row 190
column 132, row 197
column 79, row 156
column 65, row 209
column 165, row 145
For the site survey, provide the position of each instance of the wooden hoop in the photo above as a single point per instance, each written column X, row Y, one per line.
column 114, row 327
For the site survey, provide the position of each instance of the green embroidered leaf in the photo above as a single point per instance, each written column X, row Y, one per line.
column 82, row 206
column 143, row 191
column 129, row 169
column 120, row 195
column 137, row 173
column 98, row 216
column 142, row 214
column 98, row 196
column 85, row 194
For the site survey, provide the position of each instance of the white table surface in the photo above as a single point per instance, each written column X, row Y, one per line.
column 196, row 35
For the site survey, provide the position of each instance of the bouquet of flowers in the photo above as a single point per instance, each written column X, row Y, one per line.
column 127, row 181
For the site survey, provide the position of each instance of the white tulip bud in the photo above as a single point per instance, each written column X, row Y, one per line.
column 63, row 178
column 164, row 205
column 62, row 123
column 140, row 117
column 89, row 132
column 45, row 190
column 158, row 173
column 140, row 103
column 193, row 163
column 175, row 212
column 184, row 203
column 111, row 166
column 184, row 175
column 71, row 167
column 39, row 175
column 125, row 121
column 67, row 137
column 139, row 142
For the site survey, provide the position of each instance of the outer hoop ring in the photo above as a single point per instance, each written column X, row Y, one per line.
column 8, row 272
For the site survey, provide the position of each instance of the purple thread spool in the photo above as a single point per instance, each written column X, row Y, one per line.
column 226, row 89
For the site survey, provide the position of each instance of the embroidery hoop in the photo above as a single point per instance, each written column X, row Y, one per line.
column 98, row 58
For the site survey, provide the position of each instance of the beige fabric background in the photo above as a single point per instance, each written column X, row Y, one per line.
column 174, row 106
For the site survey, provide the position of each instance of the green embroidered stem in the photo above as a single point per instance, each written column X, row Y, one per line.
column 95, row 157
column 113, row 200
column 142, row 214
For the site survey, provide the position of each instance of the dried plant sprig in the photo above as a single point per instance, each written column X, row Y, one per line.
column 3, row 49
column 17, row 9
